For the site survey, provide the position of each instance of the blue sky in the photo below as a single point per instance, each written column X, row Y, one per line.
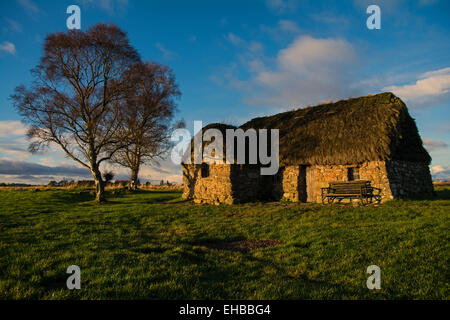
column 235, row 60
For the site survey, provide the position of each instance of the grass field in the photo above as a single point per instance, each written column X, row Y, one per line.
column 152, row 245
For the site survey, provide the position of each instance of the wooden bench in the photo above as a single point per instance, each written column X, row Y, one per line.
column 358, row 189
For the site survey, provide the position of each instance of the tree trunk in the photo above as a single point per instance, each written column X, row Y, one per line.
column 99, row 185
column 134, row 178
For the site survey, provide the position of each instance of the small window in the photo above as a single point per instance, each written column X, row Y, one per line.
column 205, row 170
column 353, row 174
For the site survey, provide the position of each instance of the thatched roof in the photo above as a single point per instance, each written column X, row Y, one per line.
column 352, row 131
column 221, row 127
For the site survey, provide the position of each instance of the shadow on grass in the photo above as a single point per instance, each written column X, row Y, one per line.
column 221, row 275
column 59, row 282
column 201, row 241
column 73, row 197
column 68, row 197
column 440, row 194
column 243, row 246
column 149, row 250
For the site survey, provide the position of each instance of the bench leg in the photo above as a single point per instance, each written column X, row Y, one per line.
column 361, row 200
column 366, row 200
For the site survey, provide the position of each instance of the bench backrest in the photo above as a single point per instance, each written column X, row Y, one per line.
column 349, row 187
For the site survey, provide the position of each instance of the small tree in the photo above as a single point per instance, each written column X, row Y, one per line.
column 78, row 94
column 108, row 176
column 148, row 116
column 52, row 183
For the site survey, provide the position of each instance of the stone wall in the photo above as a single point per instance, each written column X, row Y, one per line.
column 243, row 183
column 320, row 176
column 229, row 184
column 294, row 183
column 214, row 189
column 409, row 179
column 394, row 178
column 248, row 185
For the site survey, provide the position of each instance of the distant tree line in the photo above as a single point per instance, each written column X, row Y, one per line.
column 90, row 183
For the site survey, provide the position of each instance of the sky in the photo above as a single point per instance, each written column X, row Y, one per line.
column 236, row 60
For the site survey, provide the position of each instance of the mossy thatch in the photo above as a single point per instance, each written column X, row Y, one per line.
column 352, row 131
column 221, row 127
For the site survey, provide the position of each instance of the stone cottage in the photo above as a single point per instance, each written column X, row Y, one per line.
column 369, row 138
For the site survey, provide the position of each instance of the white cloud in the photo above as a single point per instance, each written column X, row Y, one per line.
column 149, row 174
column 440, row 72
column 307, row 71
column 282, row 29
column 288, row 26
column 13, row 143
column 14, row 171
column 282, row 6
column 251, row 57
column 12, row 128
column 440, row 172
column 29, row 6
column 14, row 151
column 108, row 6
column 12, row 25
column 389, row 6
column 437, row 169
column 177, row 178
column 307, row 53
column 14, row 167
column 251, row 46
column 431, row 145
column 8, row 47
column 48, row 161
column 430, row 88
column 21, row 168
column 167, row 54
column 234, row 39
column 331, row 18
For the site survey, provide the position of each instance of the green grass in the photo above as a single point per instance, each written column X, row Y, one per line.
column 148, row 245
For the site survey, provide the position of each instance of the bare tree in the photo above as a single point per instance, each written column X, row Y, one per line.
column 148, row 117
column 78, row 95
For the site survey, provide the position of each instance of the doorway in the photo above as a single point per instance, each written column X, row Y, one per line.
column 302, row 185
column 310, row 185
